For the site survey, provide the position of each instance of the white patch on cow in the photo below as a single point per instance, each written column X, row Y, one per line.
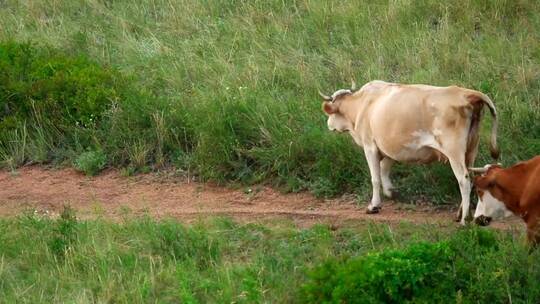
column 422, row 139
column 491, row 207
column 419, row 148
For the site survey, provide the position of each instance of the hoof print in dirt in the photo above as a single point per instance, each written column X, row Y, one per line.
column 374, row 210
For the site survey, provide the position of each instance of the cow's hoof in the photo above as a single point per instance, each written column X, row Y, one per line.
column 373, row 210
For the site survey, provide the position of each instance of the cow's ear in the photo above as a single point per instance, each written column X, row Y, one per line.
column 329, row 108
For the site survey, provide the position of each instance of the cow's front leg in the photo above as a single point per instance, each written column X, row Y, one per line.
column 386, row 164
column 373, row 160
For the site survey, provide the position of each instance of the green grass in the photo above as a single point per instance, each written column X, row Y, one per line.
column 141, row 260
column 228, row 89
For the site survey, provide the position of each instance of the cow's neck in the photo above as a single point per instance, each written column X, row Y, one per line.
column 353, row 109
column 348, row 108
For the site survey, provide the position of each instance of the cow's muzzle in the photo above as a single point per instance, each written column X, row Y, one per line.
column 482, row 220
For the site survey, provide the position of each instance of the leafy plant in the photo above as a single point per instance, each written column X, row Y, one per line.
column 466, row 267
column 91, row 162
column 419, row 272
column 70, row 91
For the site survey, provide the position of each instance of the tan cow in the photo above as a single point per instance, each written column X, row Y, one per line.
column 412, row 124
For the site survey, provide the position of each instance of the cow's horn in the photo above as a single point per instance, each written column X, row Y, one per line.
column 353, row 85
column 325, row 97
column 478, row 170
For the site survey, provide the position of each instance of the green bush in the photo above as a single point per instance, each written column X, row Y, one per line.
column 66, row 91
column 418, row 273
column 468, row 267
column 91, row 162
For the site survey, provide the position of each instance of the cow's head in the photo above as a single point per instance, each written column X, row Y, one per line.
column 331, row 106
column 488, row 207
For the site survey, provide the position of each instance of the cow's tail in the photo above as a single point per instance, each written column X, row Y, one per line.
column 493, row 140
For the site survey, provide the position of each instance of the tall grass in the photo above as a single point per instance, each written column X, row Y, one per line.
column 228, row 89
column 44, row 260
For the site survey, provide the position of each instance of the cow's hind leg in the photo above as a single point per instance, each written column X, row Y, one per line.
column 470, row 155
column 462, row 176
column 386, row 164
column 373, row 160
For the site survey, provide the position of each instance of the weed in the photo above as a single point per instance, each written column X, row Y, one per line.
column 91, row 162
column 138, row 154
column 65, row 232
column 13, row 147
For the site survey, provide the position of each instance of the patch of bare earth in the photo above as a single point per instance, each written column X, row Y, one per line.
column 112, row 195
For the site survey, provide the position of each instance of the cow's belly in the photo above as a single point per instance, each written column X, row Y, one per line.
column 422, row 155
column 408, row 143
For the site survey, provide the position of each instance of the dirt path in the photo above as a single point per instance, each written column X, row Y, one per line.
column 114, row 196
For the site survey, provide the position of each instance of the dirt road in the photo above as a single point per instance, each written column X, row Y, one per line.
column 159, row 195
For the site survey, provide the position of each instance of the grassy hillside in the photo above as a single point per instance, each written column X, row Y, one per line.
column 44, row 260
column 227, row 90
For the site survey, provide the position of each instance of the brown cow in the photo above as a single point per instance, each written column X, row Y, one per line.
column 514, row 190
column 412, row 124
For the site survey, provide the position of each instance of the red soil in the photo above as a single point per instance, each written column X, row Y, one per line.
column 114, row 196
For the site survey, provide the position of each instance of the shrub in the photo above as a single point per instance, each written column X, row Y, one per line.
column 67, row 91
column 91, row 162
column 418, row 272
column 472, row 266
